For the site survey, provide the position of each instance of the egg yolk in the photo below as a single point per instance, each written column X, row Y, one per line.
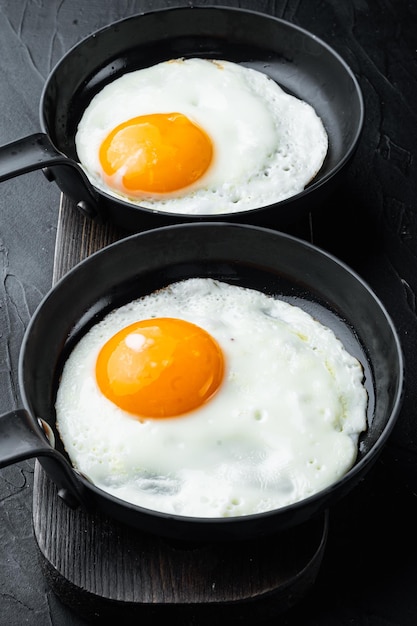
column 157, row 153
column 160, row 367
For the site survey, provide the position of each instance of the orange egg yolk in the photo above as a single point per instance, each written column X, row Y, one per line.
column 157, row 153
column 160, row 367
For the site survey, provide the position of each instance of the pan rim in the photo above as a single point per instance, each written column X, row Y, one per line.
column 315, row 499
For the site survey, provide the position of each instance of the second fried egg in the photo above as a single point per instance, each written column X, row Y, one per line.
column 211, row 400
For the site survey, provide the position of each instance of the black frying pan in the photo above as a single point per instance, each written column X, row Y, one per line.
column 300, row 62
column 255, row 257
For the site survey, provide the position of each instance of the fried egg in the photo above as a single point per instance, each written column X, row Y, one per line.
column 198, row 136
column 207, row 399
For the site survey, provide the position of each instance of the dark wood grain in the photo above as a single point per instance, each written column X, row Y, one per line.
column 99, row 566
column 77, row 237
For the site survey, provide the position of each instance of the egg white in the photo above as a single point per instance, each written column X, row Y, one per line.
column 283, row 425
column 268, row 144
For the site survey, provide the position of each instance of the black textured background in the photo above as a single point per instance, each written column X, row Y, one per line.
column 369, row 574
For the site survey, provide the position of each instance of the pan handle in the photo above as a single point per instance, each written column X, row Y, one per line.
column 36, row 152
column 21, row 439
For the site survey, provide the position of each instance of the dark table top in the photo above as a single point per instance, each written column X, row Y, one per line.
column 369, row 572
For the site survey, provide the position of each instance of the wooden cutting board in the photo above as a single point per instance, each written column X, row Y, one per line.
column 104, row 569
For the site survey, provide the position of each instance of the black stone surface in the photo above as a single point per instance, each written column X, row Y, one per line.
column 369, row 573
